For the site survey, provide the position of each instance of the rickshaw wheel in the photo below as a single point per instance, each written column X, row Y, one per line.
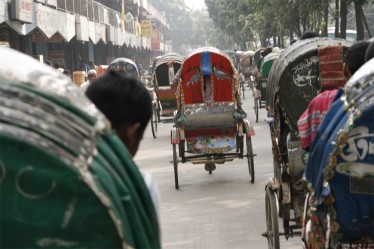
column 175, row 164
column 251, row 166
column 158, row 115
column 277, row 175
column 154, row 123
column 271, row 220
column 256, row 108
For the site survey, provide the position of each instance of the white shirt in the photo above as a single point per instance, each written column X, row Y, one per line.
column 83, row 86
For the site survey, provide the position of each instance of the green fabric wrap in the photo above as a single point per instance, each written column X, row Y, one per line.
column 66, row 179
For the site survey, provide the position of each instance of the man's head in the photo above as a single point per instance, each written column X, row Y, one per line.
column 91, row 75
column 308, row 35
column 266, row 51
column 355, row 57
column 126, row 103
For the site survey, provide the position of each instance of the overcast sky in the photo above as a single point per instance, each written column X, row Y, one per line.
column 195, row 4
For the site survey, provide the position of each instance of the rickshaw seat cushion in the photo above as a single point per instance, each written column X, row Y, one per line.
column 200, row 116
column 166, row 94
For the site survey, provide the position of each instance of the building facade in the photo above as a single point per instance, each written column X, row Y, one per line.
column 72, row 32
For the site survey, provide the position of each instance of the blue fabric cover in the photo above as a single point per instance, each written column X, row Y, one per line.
column 205, row 63
column 351, row 188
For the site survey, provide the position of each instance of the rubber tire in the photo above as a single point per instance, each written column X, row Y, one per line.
column 154, row 123
column 272, row 227
column 175, row 166
column 251, row 166
column 256, row 109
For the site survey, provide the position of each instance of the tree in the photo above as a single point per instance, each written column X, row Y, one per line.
column 359, row 19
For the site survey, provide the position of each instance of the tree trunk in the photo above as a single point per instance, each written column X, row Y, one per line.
column 366, row 24
column 337, row 33
column 343, row 18
column 359, row 21
column 291, row 36
column 325, row 18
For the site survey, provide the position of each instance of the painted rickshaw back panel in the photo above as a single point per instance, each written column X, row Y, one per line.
column 213, row 65
column 295, row 79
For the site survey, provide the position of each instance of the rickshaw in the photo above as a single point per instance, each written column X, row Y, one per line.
column 257, row 56
column 233, row 55
column 340, row 203
column 247, row 66
column 129, row 67
column 245, row 69
column 66, row 179
column 260, row 92
column 210, row 123
column 297, row 76
column 166, row 68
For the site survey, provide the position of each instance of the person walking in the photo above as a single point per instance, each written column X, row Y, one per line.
column 90, row 77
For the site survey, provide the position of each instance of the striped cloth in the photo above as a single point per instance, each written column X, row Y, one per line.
column 312, row 117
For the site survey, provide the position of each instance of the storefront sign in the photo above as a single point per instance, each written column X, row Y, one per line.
column 155, row 41
column 146, row 26
column 21, row 10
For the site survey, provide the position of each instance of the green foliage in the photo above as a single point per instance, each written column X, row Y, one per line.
column 239, row 24
column 190, row 29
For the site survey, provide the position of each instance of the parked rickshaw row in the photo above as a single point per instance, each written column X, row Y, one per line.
column 320, row 194
column 210, row 128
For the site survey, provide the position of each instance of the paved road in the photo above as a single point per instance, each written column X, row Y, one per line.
column 222, row 210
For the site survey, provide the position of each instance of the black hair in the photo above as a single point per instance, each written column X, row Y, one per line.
column 124, row 100
column 355, row 56
column 369, row 52
column 308, row 35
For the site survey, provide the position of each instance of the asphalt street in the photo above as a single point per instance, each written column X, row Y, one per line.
column 221, row 210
